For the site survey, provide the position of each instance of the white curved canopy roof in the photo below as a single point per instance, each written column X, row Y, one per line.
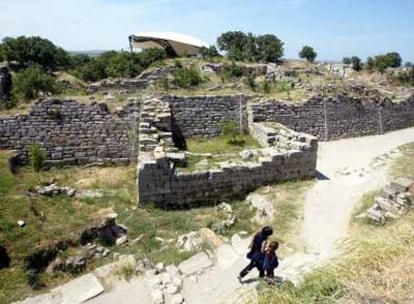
column 174, row 43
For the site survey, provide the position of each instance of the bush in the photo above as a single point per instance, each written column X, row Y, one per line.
column 209, row 53
column 231, row 129
column 251, row 82
column 266, row 87
column 115, row 64
column 93, row 70
column 186, row 78
column 232, row 71
column 37, row 157
column 29, row 83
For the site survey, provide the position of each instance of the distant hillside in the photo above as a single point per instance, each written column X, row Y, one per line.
column 92, row 53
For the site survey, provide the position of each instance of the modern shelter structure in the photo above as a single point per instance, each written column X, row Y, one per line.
column 173, row 43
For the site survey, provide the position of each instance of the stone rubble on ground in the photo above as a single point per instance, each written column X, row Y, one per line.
column 264, row 207
column 189, row 242
column 395, row 199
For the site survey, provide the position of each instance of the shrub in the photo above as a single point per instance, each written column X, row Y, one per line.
column 231, row 130
column 186, row 78
column 115, row 64
column 251, row 82
column 37, row 157
column 91, row 71
column 29, row 83
column 209, row 53
column 266, row 87
column 178, row 64
column 232, row 71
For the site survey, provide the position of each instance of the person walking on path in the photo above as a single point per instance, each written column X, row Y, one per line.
column 257, row 252
column 270, row 260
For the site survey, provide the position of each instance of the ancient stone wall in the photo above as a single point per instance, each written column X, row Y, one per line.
column 288, row 155
column 341, row 117
column 202, row 115
column 73, row 133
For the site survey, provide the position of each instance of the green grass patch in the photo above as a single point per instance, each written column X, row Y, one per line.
column 403, row 166
column 220, row 145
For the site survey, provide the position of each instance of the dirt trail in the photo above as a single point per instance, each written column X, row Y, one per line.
column 348, row 168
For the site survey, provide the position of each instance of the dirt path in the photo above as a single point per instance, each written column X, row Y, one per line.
column 348, row 169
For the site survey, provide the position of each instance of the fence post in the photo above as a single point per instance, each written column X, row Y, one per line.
column 326, row 120
column 381, row 127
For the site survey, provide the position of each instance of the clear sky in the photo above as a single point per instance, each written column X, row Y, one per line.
column 335, row 28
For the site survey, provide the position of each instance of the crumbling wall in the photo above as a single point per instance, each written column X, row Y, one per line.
column 202, row 115
column 73, row 133
column 288, row 155
column 340, row 117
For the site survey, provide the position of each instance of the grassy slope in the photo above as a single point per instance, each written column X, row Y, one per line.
column 377, row 266
column 64, row 216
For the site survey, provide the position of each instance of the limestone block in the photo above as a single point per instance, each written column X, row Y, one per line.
column 196, row 264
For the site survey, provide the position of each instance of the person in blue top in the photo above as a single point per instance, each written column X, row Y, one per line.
column 257, row 252
column 270, row 260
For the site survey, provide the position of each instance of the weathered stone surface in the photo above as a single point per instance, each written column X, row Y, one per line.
column 226, row 256
column 80, row 289
column 189, row 242
column 401, row 184
column 72, row 133
column 157, row 296
column 50, row 298
column 196, row 264
column 210, row 237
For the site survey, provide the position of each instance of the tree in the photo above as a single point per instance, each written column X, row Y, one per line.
column 27, row 51
column 370, row 65
column 251, row 52
column 234, row 44
column 346, row 60
column 269, row 48
column 210, row 52
column 308, row 53
column 33, row 80
column 356, row 63
column 408, row 64
column 247, row 47
column 393, row 59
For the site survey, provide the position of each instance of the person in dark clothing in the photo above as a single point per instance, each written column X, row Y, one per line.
column 270, row 260
column 257, row 252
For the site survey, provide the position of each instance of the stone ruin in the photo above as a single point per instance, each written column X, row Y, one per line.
column 285, row 155
column 395, row 199
column 154, row 132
